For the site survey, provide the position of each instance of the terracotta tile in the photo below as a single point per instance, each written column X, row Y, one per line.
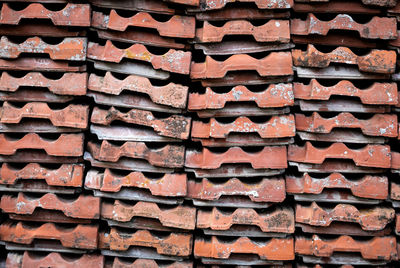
column 69, row 84
column 272, row 31
column 167, row 185
column 70, row 48
column 207, row 159
column 83, row 206
column 168, row 156
column 74, row 115
column 376, row 61
column 53, row 259
column 174, row 95
column 369, row 156
column 175, row 61
column 39, row 65
column 176, row 26
column 374, row 248
column 376, row 28
column 67, row 175
column 70, row 15
column 270, row 249
column 181, row 217
column 64, row 145
column 375, row 187
column 378, row 125
column 173, row 244
column 370, row 219
column 275, row 95
column 148, row 6
column 267, row 66
column 175, row 126
column 211, row 5
column 275, row 127
column 279, row 220
column 267, row 190
column 80, row 236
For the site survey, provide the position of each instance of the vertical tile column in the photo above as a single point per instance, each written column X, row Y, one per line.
column 240, row 99
column 140, row 60
column 42, row 119
column 395, row 167
column 340, row 163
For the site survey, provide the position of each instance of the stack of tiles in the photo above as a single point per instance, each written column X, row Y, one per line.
column 199, row 133
column 42, row 119
column 395, row 167
column 140, row 58
column 240, row 101
column 340, row 163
